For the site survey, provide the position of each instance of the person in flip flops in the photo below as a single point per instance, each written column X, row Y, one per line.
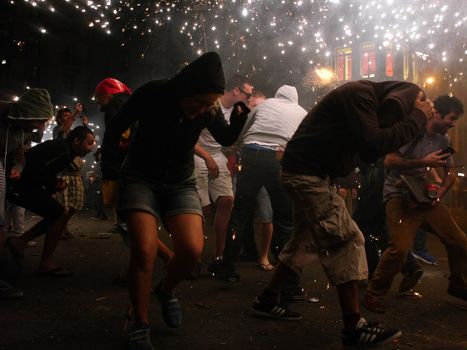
column 35, row 188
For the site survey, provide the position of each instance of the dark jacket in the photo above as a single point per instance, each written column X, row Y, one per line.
column 163, row 148
column 362, row 117
column 114, row 106
column 45, row 161
column 110, row 165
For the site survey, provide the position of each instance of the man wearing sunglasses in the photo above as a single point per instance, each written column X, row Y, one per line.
column 213, row 178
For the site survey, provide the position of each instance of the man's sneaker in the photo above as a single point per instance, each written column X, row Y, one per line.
column 7, row 291
column 170, row 308
column 374, row 304
column 368, row 334
column 293, row 294
column 223, row 271
column 140, row 338
column 423, row 256
column 458, row 292
column 410, row 280
column 274, row 310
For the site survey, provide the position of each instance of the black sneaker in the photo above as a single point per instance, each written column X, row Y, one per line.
column 274, row 311
column 368, row 334
column 224, row 271
column 7, row 291
column 293, row 294
column 140, row 338
column 410, row 280
column 170, row 308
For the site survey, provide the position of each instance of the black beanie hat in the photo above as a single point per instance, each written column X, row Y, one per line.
column 203, row 75
column 34, row 104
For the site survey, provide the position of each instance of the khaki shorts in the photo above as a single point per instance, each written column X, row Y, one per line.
column 324, row 230
column 211, row 189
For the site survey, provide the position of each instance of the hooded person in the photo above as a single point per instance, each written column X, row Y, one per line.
column 364, row 118
column 157, row 178
column 18, row 119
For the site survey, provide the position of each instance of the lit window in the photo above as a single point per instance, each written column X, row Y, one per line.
column 368, row 61
column 344, row 64
column 389, row 63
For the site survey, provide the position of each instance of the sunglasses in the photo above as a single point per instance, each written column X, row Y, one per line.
column 244, row 92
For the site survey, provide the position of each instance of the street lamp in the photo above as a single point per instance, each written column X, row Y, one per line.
column 429, row 81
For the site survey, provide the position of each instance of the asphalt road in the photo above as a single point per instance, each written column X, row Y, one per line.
column 87, row 310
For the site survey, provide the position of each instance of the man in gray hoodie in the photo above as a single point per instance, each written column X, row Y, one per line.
column 268, row 129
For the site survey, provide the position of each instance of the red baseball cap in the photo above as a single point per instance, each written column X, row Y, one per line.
column 111, row 86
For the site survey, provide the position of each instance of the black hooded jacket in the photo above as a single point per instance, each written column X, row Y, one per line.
column 366, row 118
column 162, row 149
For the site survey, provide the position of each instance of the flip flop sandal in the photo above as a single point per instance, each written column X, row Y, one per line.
column 266, row 267
column 56, row 272
column 17, row 256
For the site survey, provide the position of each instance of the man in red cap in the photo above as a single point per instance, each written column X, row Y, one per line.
column 111, row 94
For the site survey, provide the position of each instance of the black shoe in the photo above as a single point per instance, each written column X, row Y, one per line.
column 140, row 338
column 275, row 311
column 223, row 271
column 368, row 334
column 293, row 294
column 7, row 291
column 170, row 308
column 410, row 280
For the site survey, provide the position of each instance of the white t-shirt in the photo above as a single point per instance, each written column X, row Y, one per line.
column 207, row 141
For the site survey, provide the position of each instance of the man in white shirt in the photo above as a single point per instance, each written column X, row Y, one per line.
column 268, row 129
column 213, row 179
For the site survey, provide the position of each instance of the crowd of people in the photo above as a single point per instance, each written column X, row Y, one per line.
column 196, row 145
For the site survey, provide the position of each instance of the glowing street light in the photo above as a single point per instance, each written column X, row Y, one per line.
column 429, row 81
column 325, row 75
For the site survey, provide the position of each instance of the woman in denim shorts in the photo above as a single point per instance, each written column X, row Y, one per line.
column 157, row 178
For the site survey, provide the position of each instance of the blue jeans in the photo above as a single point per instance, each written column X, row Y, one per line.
column 260, row 167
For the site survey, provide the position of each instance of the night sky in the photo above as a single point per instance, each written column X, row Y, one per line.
column 67, row 46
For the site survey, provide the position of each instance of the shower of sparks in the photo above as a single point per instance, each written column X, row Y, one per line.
column 292, row 33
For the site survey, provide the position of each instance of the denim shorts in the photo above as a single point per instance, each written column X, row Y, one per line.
column 263, row 211
column 159, row 199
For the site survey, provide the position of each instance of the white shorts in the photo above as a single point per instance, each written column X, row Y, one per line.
column 208, row 189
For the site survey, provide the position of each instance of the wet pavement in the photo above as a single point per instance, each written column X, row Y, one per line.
column 87, row 310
